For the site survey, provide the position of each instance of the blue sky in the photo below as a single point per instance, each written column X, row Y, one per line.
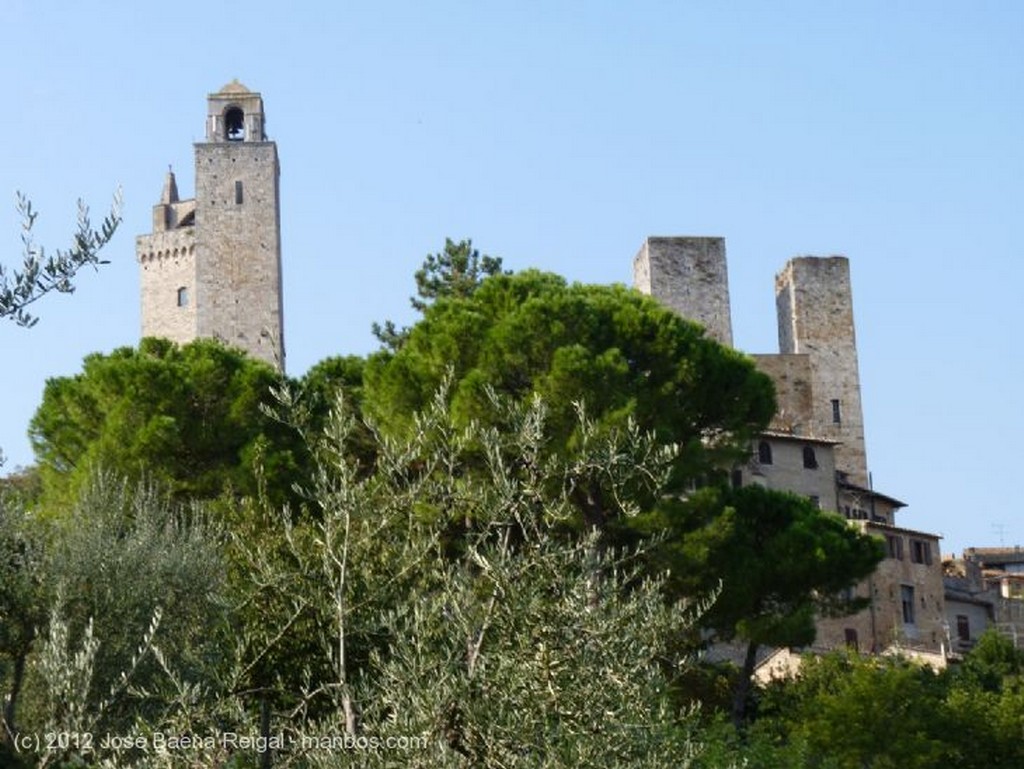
column 559, row 135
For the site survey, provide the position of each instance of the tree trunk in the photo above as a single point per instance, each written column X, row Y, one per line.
column 590, row 503
column 739, row 698
column 350, row 713
column 10, row 710
column 265, row 755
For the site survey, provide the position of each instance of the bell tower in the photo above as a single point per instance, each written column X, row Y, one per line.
column 238, row 236
column 223, row 279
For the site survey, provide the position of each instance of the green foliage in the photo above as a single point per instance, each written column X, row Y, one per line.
column 188, row 417
column 504, row 655
column 339, row 377
column 94, row 609
column 24, row 597
column 524, row 648
column 849, row 712
column 124, row 555
column 455, row 272
column 778, row 557
column 331, row 377
column 68, row 704
column 622, row 354
column 780, row 562
column 541, row 656
column 985, row 706
column 993, row 661
column 845, row 711
column 21, row 487
column 41, row 274
column 526, row 645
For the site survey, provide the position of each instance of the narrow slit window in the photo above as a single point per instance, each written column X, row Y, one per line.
column 837, row 414
column 907, row 599
column 963, row 627
column 238, row 193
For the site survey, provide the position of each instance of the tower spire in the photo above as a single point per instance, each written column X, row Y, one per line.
column 170, row 193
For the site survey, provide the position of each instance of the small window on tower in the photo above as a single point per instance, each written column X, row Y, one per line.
column 895, row 544
column 837, row 416
column 183, row 297
column 234, row 124
column 238, row 193
column 963, row 627
column 907, row 601
column 920, row 552
column 810, row 460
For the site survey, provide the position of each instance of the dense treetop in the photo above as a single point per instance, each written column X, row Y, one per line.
column 620, row 354
column 189, row 417
column 436, row 536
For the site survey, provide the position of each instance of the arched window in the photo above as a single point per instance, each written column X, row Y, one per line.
column 764, row 453
column 183, row 297
column 234, row 124
column 810, row 461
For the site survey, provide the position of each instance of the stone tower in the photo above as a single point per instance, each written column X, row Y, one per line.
column 212, row 265
column 816, row 372
column 688, row 275
column 814, row 301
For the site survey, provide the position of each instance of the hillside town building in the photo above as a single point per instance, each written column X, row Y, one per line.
column 984, row 589
column 815, row 445
column 211, row 267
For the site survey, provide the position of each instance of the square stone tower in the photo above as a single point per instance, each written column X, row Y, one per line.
column 816, row 372
column 212, row 265
column 814, row 302
column 688, row 275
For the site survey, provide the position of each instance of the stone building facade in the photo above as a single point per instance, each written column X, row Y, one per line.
column 985, row 590
column 211, row 267
column 815, row 445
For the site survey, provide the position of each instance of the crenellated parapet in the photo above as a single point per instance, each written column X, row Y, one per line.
column 160, row 246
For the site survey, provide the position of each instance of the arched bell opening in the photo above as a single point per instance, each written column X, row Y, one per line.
column 234, row 124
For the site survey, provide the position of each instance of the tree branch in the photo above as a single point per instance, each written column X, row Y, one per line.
column 41, row 274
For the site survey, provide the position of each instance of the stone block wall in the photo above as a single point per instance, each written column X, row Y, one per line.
column 794, row 396
column 167, row 266
column 688, row 275
column 815, row 315
column 238, row 247
column 898, row 578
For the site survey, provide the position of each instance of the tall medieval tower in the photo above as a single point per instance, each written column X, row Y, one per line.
column 816, row 373
column 212, row 265
column 814, row 304
column 688, row 275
